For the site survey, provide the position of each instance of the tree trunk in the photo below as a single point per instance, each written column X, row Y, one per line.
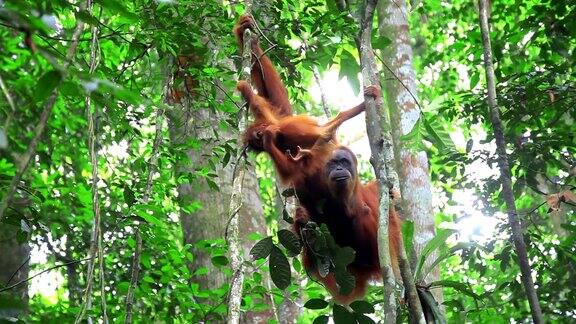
column 14, row 267
column 185, row 123
column 401, row 94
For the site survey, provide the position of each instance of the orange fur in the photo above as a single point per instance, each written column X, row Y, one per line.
column 352, row 218
column 300, row 148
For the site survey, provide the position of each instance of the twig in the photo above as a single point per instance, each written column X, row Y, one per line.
column 322, row 93
column 42, row 272
column 399, row 80
column 96, row 241
column 10, row 102
column 131, row 61
column 227, row 95
column 15, row 272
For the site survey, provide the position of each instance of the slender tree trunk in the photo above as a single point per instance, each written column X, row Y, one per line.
column 377, row 126
column 14, row 267
column 505, row 176
column 401, row 94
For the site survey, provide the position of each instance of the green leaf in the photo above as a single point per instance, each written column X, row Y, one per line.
column 143, row 213
column 316, row 303
column 362, row 307
column 116, row 7
column 380, row 42
column 415, row 133
column 461, row 287
column 322, row 319
column 261, row 249
column 345, row 280
column 474, row 78
column 122, row 287
column 350, row 68
column 220, row 260
column 437, row 134
column 226, row 159
column 342, row 315
column 430, row 247
column 86, row 17
column 47, row 84
column 363, row 319
column 279, row 268
column 446, row 255
column 344, row 257
column 469, row 145
column 290, row 241
column 212, row 184
column 129, row 197
column 408, row 236
column 427, row 298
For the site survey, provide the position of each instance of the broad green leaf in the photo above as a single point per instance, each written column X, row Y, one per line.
column 408, row 236
column 345, row 280
column 279, row 268
column 290, row 241
column 363, row 319
column 427, row 298
column 286, row 217
column 440, row 238
column 220, row 260
column 86, row 17
column 316, row 303
column 350, row 68
column 437, row 134
column 362, row 307
column 461, row 287
column 344, row 257
column 322, row 319
column 342, row 315
column 261, row 249
column 129, row 197
column 47, row 83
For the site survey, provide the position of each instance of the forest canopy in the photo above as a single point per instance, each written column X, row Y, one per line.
column 131, row 191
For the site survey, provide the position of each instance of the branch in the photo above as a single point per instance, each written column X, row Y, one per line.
column 505, row 176
column 40, row 273
column 10, row 102
column 138, row 237
column 233, row 239
column 96, row 241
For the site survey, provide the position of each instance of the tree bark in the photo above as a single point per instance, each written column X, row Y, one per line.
column 401, row 94
column 377, row 126
column 505, row 176
column 14, row 267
